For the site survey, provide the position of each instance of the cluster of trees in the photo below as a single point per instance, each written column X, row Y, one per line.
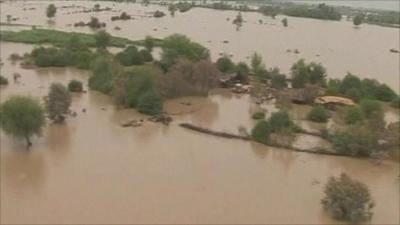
column 303, row 74
column 279, row 122
column 132, row 56
column 94, row 23
column 321, row 11
column 123, row 16
column 75, row 86
column 347, row 199
column 179, row 46
column 353, row 87
column 24, row 116
column 72, row 53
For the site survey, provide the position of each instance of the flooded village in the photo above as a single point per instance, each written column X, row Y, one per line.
column 198, row 112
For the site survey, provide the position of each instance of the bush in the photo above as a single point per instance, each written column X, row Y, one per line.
column 242, row 72
column 130, row 56
column 75, row 86
column 279, row 122
column 225, row 65
column 370, row 108
column 179, row 46
column 3, row 80
column 395, row 103
column 385, row 93
column 58, row 102
column 150, row 103
column 146, row 55
column 318, row 114
column 278, row 80
column 303, row 73
column 101, row 78
column 261, row 131
column 353, row 115
column 347, row 199
column 258, row 115
column 359, row 140
column 102, row 39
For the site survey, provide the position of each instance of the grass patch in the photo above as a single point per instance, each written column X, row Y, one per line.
column 60, row 38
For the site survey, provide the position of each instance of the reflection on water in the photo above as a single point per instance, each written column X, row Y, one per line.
column 154, row 173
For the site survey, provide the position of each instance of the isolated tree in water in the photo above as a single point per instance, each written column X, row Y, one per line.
column 358, row 19
column 285, row 22
column 58, row 102
column 22, row 117
column 51, row 11
column 347, row 199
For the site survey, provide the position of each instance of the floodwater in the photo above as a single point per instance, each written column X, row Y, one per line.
column 339, row 46
column 92, row 171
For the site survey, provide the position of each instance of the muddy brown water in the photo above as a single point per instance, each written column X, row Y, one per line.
column 90, row 170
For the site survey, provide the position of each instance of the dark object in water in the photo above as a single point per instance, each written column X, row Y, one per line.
column 394, row 50
column 162, row 118
column 215, row 133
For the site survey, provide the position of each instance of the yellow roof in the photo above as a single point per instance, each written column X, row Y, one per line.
column 334, row 99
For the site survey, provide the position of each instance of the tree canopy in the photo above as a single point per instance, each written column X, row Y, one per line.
column 22, row 117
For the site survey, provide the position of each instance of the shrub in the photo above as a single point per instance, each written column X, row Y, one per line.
column 101, row 78
column 370, row 107
column 347, row 199
column 242, row 72
column 395, row 103
column 102, row 39
column 278, row 80
column 75, row 86
column 353, row 115
column 225, row 65
column 279, row 122
column 188, row 78
column 146, row 55
column 258, row 115
column 303, row 73
column 131, row 56
column 385, row 93
column 350, row 81
column 3, row 80
column 22, row 117
column 179, row 46
column 51, row 11
column 261, row 131
column 58, row 102
column 150, row 103
column 358, row 140
column 318, row 114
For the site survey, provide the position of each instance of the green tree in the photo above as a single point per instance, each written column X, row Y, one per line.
column 150, row 103
column 242, row 72
column 318, row 114
column 58, row 102
column 101, row 78
column 317, row 74
column 22, row 117
column 75, row 86
column 353, row 115
column 225, row 65
column 257, row 62
column 285, row 22
column 347, row 199
column 350, row 81
column 358, row 19
column 179, row 46
column 51, row 11
column 278, row 80
column 371, row 108
column 300, row 74
column 149, row 43
column 102, row 39
column 395, row 103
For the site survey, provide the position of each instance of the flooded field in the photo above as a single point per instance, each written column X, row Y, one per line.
column 338, row 45
column 92, row 171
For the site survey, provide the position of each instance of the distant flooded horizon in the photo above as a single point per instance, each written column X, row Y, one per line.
column 391, row 5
